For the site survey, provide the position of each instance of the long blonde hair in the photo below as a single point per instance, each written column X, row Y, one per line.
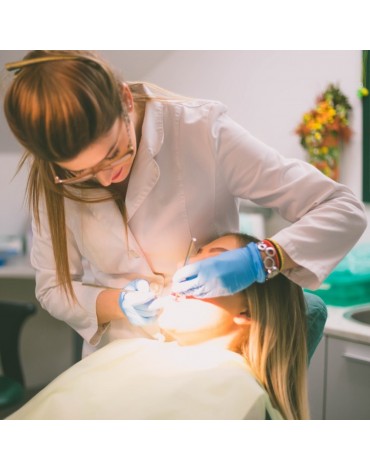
column 275, row 342
column 57, row 108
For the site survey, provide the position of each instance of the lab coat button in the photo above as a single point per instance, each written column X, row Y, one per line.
column 133, row 254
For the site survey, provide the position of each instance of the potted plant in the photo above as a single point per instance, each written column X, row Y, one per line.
column 324, row 129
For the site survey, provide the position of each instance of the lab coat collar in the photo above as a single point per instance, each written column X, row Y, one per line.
column 152, row 129
column 145, row 172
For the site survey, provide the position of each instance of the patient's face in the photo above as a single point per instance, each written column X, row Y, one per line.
column 190, row 320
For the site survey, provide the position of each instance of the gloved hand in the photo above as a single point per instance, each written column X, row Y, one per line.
column 224, row 274
column 136, row 303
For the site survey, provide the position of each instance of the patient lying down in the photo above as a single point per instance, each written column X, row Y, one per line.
column 236, row 357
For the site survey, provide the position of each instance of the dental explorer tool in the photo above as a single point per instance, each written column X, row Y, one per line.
column 190, row 249
column 191, row 246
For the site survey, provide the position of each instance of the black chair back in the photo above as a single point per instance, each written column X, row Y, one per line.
column 12, row 316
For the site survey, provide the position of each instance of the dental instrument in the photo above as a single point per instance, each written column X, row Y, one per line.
column 188, row 254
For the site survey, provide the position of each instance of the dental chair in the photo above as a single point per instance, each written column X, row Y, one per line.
column 12, row 317
column 317, row 315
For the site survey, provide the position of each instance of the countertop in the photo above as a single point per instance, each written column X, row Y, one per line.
column 339, row 326
column 18, row 268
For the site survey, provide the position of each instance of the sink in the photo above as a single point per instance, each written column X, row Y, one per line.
column 359, row 315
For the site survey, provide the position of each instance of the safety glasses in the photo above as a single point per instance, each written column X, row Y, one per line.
column 108, row 163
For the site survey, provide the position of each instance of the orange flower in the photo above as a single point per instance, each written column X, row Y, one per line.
column 325, row 127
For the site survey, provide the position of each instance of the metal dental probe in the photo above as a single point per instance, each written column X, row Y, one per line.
column 191, row 246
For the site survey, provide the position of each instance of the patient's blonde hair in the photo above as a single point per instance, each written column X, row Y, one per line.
column 59, row 103
column 274, row 344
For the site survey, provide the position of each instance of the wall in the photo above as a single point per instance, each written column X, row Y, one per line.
column 268, row 91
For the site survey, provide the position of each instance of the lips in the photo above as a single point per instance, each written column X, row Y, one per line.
column 117, row 175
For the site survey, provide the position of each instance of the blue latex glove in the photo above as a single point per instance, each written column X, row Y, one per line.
column 136, row 303
column 224, row 274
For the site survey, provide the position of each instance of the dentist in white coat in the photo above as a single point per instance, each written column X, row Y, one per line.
column 124, row 175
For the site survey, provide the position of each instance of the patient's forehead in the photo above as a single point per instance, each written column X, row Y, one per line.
column 225, row 243
column 214, row 248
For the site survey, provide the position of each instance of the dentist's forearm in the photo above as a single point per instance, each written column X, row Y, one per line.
column 288, row 262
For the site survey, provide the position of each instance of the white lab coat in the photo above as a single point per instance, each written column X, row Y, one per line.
column 145, row 379
column 192, row 165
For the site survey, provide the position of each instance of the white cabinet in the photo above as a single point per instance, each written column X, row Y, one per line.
column 316, row 382
column 347, row 394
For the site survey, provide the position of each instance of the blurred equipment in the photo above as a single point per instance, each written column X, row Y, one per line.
column 10, row 246
column 12, row 317
column 349, row 283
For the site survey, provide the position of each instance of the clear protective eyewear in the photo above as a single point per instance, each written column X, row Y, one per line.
column 107, row 163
